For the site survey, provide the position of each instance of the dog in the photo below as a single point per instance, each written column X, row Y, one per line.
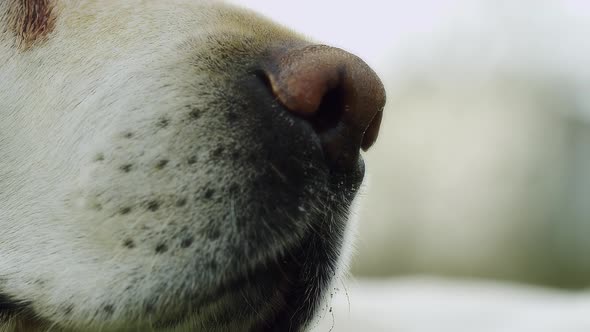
column 173, row 166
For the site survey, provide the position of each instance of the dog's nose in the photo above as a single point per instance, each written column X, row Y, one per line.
column 336, row 92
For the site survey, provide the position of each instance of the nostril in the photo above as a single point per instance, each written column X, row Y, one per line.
column 330, row 111
column 263, row 77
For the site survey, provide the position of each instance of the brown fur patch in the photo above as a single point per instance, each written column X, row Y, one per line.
column 30, row 20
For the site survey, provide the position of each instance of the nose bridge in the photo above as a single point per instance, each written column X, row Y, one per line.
column 337, row 92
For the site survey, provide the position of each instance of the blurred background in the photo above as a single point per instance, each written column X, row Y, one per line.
column 482, row 169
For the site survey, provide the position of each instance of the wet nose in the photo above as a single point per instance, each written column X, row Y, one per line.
column 336, row 92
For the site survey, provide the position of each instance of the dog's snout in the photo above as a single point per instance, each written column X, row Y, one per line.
column 335, row 91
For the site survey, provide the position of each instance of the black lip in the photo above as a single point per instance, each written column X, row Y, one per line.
column 308, row 284
column 299, row 278
column 314, row 264
column 10, row 307
column 261, row 281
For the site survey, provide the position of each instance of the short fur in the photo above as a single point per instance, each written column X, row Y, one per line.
column 148, row 178
column 29, row 20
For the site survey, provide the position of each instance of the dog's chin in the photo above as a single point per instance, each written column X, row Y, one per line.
column 239, row 305
column 272, row 298
column 284, row 293
column 250, row 303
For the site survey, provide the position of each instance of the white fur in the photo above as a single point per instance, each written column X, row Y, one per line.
column 76, row 109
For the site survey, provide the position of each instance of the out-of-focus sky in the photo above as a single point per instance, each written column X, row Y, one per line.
column 369, row 29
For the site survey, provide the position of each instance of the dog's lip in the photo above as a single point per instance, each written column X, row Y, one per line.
column 270, row 282
column 230, row 298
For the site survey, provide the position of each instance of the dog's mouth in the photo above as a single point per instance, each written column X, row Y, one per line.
column 284, row 293
column 281, row 293
column 249, row 303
